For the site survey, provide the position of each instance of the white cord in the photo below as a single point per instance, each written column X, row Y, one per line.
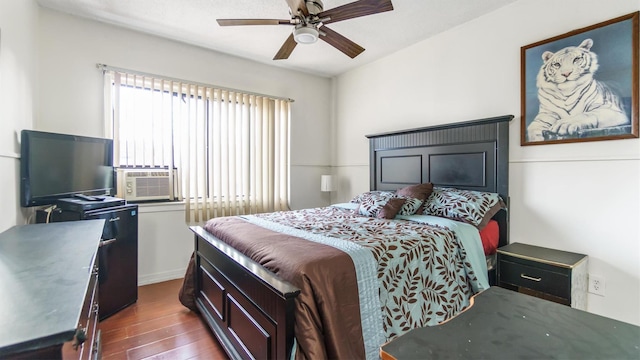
column 30, row 217
column 49, row 210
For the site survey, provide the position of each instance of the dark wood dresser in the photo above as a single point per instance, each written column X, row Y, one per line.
column 48, row 284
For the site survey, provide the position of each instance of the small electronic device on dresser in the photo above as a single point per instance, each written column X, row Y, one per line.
column 79, row 203
column 555, row 275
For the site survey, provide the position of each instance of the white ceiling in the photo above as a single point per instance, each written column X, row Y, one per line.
column 193, row 22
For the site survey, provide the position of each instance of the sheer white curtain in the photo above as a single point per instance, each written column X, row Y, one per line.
column 230, row 149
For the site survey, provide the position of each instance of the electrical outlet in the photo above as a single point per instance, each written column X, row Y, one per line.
column 596, row 285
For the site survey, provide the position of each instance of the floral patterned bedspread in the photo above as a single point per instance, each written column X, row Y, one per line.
column 423, row 272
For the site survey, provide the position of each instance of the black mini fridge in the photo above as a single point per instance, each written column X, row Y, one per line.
column 117, row 255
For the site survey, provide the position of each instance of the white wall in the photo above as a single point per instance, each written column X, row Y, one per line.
column 70, row 94
column 18, row 79
column 576, row 197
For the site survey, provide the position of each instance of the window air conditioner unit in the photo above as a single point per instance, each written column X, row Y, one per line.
column 145, row 184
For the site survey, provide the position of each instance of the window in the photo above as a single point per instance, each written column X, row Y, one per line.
column 229, row 149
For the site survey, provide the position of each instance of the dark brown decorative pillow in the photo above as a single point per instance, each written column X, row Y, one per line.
column 420, row 192
column 391, row 208
column 384, row 205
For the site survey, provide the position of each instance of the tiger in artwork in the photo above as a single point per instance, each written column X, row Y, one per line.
column 571, row 100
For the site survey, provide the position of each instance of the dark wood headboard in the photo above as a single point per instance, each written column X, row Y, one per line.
column 471, row 155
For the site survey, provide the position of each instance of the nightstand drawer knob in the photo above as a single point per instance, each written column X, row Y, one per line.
column 530, row 278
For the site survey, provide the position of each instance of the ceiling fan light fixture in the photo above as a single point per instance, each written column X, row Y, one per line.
column 305, row 35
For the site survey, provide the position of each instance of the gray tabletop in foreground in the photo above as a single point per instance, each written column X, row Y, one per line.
column 44, row 273
column 503, row 324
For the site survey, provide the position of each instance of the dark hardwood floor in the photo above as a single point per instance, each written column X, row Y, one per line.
column 157, row 326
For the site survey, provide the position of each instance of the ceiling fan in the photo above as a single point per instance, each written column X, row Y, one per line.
column 309, row 20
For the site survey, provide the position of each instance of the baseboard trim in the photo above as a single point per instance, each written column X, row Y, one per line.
column 160, row 277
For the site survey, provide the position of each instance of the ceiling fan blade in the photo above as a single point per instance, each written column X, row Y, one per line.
column 355, row 9
column 286, row 49
column 298, row 6
column 234, row 22
column 340, row 42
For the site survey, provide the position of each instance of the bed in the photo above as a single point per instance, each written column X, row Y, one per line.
column 254, row 312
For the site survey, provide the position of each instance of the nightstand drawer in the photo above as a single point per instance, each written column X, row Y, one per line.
column 549, row 282
column 555, row 275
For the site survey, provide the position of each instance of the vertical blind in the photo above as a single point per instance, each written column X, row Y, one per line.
column 229, row 149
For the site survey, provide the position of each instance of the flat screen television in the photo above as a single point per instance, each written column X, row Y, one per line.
column 55, row 166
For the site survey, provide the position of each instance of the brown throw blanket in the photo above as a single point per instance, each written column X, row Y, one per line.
column 327, row 310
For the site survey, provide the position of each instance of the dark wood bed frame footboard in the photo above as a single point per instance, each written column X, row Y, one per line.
column 251, row 310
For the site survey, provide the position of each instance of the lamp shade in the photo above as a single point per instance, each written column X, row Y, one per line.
column 327, row 183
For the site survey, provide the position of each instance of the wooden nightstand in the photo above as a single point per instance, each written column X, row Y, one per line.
column 555, row 275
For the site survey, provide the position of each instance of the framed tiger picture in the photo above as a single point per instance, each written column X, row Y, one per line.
column 582, row 85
